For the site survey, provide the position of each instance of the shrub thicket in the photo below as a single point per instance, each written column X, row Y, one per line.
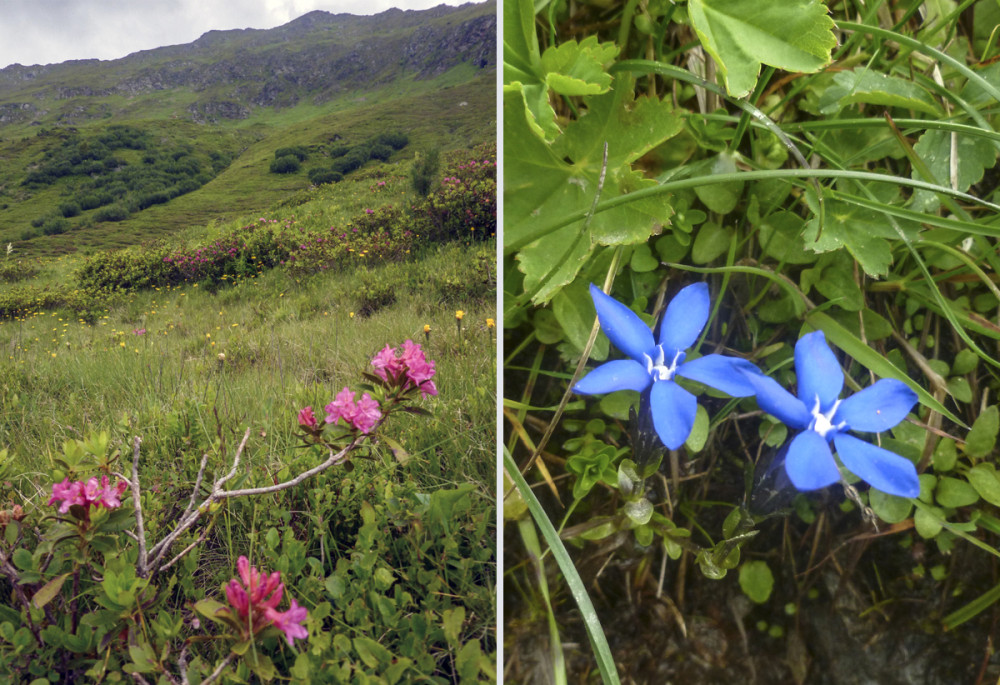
column 424, row 171
column 288, row 164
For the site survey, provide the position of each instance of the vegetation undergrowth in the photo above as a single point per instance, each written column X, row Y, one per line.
column 213, row 354
column 755, row 200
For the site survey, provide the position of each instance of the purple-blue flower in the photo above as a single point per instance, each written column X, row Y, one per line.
column 822, row 417
column 656, row 363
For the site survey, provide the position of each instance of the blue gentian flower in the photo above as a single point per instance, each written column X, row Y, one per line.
column 822, row 417
column 656, row 363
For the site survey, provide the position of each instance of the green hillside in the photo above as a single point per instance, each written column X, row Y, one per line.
column 204, row 120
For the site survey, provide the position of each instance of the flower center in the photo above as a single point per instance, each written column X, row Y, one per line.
column 658, row 368
column 822, row 423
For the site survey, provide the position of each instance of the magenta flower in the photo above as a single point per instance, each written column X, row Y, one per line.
column 289, row 622
column 367, row 414
column 255, row 597
column 406, row 369
column 95, row 492
column 342, row 407
column 306, row 418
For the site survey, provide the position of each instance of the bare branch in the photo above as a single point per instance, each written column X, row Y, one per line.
column 137, row 502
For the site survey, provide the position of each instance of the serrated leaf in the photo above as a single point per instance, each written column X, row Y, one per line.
column 861, row 231
column 956, row 162
column 741, row 34
column 579, row 68
column 781, row 238
column 876, row 88
column 544, row 183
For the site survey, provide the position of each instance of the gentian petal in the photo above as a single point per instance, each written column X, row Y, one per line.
column 674, row 409
column 818, row 372
column 721, row 373
column 878, row 407
column 809, row 462
column 622, row 326
column 778, row 402
column 685, row 317
column 621, row 374
column 883, row 469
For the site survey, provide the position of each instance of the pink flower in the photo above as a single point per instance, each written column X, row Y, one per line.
column 307, row 418
column 289, row 622
column 387, row 364
column 342, row 407
column 94, row 492
column 367, row 414
column 69, row 493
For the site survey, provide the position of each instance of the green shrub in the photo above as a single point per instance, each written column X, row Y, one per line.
column 425, row 170
column 320, row 176
column 116, row 212
column 55, row 226
column 299, row 152
column 69, row 209
column 288, row 164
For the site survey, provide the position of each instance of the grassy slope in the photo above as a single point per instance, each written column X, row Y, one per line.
column 433, row 118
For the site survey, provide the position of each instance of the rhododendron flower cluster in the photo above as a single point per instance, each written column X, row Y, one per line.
column 95, row 492
column 406, row 368
column 256, row 601
column 362, row 415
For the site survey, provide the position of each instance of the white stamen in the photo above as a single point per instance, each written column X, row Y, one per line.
column 658, row 369
column 822, row 423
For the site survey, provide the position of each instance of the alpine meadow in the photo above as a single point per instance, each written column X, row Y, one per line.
column 248, row 357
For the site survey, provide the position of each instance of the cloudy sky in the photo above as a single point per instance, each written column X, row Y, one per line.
column 51, row 31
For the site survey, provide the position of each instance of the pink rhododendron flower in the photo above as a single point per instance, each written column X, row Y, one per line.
column 367, row 414
column 99, row 493
column 307, row 418
column 342, row 407
column 255, row 597
column 290, row 622
column 387, row 364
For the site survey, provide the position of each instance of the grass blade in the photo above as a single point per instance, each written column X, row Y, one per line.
column 605, row 662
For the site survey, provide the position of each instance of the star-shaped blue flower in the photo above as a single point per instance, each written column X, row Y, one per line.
column 822, row 417
column 656, row 363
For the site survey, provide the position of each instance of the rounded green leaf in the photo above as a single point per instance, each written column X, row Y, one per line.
column 756, row 580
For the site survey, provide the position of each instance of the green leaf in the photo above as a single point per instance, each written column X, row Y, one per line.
column 954, row 493
column 451, row 623
column 795, row 35
column 889, row 508
column 986, row 481
column 699, row 432
column 47, row 592
column 579, row 68
column 945, row 455
column 956, row 161
column 756, row 580
column 371, row 652
column 719, row 197
column 467, row 661
column 260, row 664
column 983, row 435
column 547, row 327
column 712, row 241
column 928, row 521
column 875, row 88
column 544, row 183
column 642, row 259
column 781, row 238
column 861, row 231
column 574, row 310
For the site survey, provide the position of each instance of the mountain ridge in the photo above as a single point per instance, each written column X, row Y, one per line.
column 232, row 72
